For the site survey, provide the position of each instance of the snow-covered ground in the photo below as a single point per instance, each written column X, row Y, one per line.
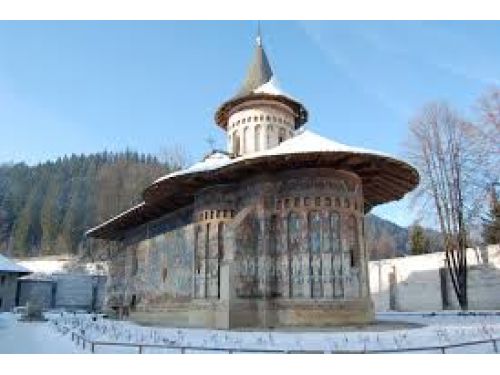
column 441, row 329
column 31, row 338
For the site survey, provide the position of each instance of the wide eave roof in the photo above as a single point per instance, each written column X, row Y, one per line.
column 384, row 177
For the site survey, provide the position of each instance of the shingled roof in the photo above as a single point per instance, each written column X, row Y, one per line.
column 259, row 72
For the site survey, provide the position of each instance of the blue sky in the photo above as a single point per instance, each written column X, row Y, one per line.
column 81, row 87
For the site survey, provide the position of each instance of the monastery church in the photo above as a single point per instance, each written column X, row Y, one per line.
column 269, row 233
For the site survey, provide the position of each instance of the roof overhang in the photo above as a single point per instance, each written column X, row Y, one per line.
column 384, row 179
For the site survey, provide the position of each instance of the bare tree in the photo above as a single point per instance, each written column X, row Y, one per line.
column 441, row 149
column 488, row 109
column 174, row 156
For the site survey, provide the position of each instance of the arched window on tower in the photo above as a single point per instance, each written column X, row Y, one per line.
column 257, row 138
column 281, row 136
column 245, row 140
column 236, row 144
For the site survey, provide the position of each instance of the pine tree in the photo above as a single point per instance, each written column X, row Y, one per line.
column 419, row 243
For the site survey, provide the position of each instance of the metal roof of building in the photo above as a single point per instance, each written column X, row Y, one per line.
column 259, row 72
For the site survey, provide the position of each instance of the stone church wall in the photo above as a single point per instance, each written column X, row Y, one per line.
column 284, row 249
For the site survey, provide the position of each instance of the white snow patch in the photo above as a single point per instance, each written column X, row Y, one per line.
column 44, row 266
column 115, row 217
column 7, row 265
column 270, row 87
column 32, row 337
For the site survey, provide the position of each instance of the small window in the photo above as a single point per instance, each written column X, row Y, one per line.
column 328, row 201
column 217, row 214
column 238, row 122
column 268, row 118
column 317, row 201
column 133, row 302
column 249, row 119
column 211, row 214
column 297, row 202
column 287, row 202
column 256, row 118
column 243, row 121
column 278, row 204
column 224, row 214
column 164, row 274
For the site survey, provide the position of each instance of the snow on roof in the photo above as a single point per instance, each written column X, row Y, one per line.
column 307, row 141
column 38, row 277
column 44, row 266
column 117, row 216
column 214, row 161
column 304, row 141
column 7, row 265
column 270, row 87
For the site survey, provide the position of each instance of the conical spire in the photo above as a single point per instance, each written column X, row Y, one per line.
column 259, row 71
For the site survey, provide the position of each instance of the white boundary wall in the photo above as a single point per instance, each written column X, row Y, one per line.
column 417, row 284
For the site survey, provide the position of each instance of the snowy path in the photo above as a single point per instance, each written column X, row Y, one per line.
column 31, row 338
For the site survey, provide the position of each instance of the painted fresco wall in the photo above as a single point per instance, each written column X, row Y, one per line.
column 302, row 238
column 294, row 235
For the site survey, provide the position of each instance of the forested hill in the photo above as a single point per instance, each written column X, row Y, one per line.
column 45, row 209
